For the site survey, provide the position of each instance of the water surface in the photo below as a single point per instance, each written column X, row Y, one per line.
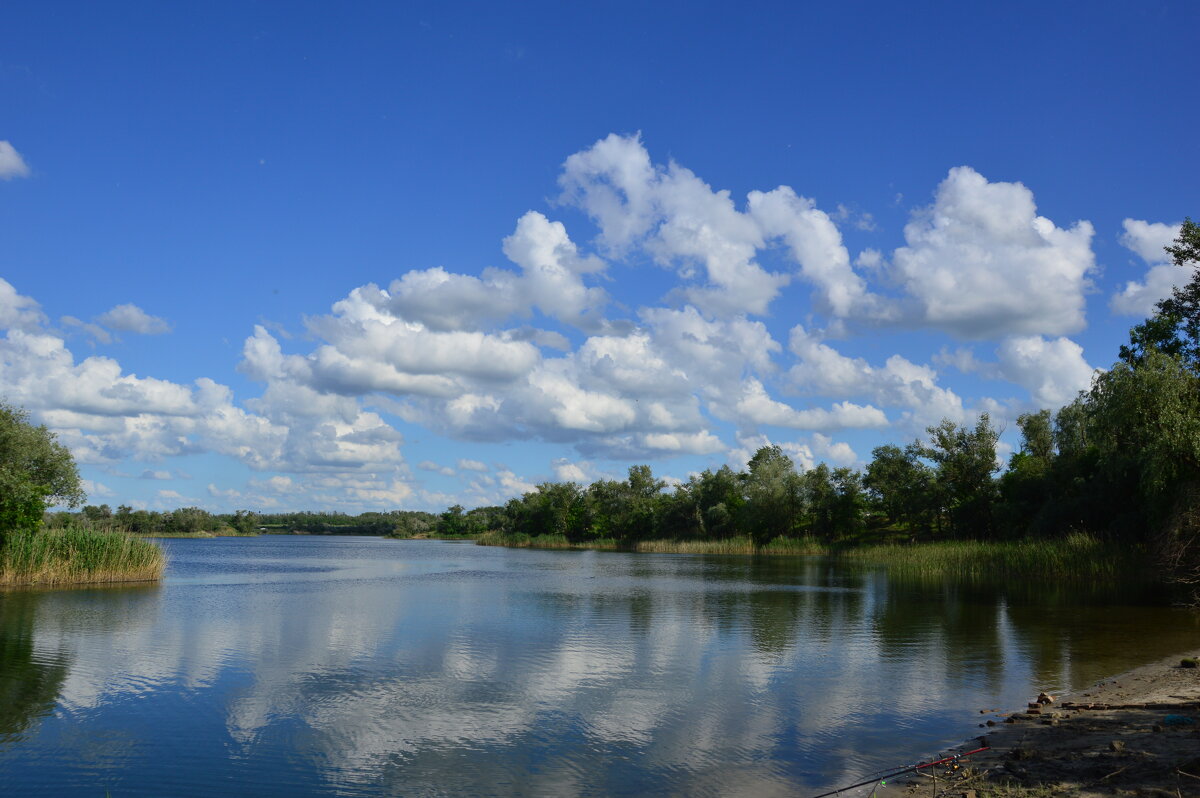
column 295, row 666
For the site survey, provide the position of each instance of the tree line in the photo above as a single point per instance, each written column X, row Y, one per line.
column 1120, row 462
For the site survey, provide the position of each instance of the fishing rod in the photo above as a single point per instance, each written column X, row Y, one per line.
column 882, row 779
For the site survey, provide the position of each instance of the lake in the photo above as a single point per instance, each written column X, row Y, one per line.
column 297, row 666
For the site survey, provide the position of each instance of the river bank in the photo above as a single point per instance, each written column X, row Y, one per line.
column 1135, row 734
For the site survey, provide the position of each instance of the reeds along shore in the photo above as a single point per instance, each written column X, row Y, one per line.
column 77, row 555
column 1076, row 555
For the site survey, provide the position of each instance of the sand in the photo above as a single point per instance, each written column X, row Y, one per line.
column 1137, row 734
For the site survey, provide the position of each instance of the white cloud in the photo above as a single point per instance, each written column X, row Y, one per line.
column 96, row 490
column 569, row 471
column 11, row 163
column 1052, row 371
column 131, row 318
column 472, row 465
column 822, row 370
column 429, row 465
column 980, row 262
column 683, row 223
column 837, row 453
column 550, row 280
column 18, row 312
column 757, row 407
column 155, row 474
column 1147, row 241
column 98, row 333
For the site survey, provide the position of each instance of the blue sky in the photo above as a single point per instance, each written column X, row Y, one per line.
column 385, row 255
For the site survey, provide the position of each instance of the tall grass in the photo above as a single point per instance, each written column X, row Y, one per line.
column 735, row 545
column 520, row 540
column 77, row 555
column 1076, row 556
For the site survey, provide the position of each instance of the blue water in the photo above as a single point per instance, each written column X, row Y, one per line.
column 297, row 666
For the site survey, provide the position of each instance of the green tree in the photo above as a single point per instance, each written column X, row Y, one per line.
column 1025, row 488
column 820, row 497
column 965, row 460
column 900, row 484
column 36, row 471
column 720, row 496
column 452, row 522
column 1145, row 425
column 245, row 522
column 849, row 503
column 772, row 495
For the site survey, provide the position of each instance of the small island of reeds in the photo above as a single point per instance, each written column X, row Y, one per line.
column 77, row 555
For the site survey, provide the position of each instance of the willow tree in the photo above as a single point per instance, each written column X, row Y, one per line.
column 1145, row 422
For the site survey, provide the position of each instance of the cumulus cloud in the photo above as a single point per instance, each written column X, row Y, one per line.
column 131, row 318
column 18, row 312
column 96, row 490
column 756, row 406
column 680, row 221
column 108, row 416
column 11, row 163
column 572, row 471
column 1147, row 240
column 1053, row 372
column 551, row 281
column 822, row 370
column 980, row 262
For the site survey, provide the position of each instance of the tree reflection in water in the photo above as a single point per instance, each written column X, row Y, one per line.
column 30, row 680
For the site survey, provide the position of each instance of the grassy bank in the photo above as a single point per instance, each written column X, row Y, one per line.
column 1075, row 556
column 75, row 555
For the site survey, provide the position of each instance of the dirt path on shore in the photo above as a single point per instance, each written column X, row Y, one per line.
column 1137, row 734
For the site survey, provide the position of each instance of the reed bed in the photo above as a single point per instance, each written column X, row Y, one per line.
column 1076, row 556
column 77, row 555
column 736, row 545
column 520, row 540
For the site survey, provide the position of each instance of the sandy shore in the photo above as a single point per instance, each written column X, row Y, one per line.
column 1137, row 734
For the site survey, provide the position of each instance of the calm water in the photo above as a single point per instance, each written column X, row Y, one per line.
column 358, row 666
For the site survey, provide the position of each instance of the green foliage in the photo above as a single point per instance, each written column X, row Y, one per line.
column 772, row 492
column 35, row 471
column 1146, row 423
column 452, row 522
column 900, row 485
column 965, row 460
